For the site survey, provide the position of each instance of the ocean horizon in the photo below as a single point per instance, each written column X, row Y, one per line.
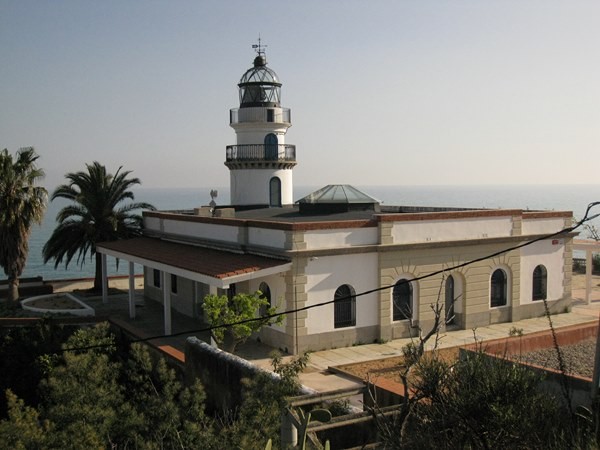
column 528, row 197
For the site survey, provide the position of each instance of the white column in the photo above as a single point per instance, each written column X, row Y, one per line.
column 131, row 291
column 166, row 278
column 588, row 275
column 104, row 278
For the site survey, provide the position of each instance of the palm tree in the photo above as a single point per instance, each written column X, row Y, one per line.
column 22, row 204
column 98, row 214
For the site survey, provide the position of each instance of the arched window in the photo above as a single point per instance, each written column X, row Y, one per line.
column 498, row 289
column 450, row 299
column 344, row 307
column 271, row 147
column 540, row 283
column 275, row 192
column 402, row 296
column 266, row 294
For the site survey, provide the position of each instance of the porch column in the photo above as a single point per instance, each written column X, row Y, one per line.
column 104, row 278
column 588, row 275
column 131, row 291
column 166, row 278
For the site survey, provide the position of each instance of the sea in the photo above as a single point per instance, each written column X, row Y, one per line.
column 574, row 198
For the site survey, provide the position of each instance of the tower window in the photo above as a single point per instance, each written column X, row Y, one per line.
column 271, row 147
column 270, row 115
column 275, row 192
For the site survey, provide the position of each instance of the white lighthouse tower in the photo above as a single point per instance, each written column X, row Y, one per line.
column 261, row 163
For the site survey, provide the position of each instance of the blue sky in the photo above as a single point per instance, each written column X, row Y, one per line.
column 381, row 92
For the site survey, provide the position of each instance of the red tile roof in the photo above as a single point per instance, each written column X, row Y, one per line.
column 214, row 263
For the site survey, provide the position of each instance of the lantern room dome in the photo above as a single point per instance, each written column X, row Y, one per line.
column 260, row 86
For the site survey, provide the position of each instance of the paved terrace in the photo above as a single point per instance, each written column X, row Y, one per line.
column 149, row 322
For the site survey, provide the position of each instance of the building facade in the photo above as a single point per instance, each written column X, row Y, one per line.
column 344, row 269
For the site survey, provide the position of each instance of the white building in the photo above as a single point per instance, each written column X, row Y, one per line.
column 339, row 243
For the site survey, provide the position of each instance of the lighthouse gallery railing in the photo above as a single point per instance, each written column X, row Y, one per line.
column 261, row 152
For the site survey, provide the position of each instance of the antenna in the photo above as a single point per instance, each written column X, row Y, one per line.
column 259, row 48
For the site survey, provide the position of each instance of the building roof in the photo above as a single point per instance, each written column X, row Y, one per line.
column 214, row 267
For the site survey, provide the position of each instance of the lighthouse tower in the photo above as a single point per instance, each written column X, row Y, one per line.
column 261, row 163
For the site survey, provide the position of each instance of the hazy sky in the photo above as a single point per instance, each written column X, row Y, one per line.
column 381, row 92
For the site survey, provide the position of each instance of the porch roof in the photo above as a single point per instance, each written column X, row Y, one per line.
column 210, row 266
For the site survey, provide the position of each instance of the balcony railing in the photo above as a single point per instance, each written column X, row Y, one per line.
column 269, row 115
column 261, row 152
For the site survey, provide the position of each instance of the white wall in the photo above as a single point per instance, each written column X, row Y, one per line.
column 201, row 230
column 543, row 226
column 326, row 274
column 341, row 238
column 266, row 237
column 251, row 186
column 450, row 230
column 550, row 253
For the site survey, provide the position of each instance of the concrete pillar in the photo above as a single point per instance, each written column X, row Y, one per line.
column 131, row 291
column 104, row 278
column 288, row 432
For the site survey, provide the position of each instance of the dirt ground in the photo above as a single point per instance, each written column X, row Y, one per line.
column 57, row 302
column 389, row 368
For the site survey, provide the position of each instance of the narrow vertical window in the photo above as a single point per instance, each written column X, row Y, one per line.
column 344, row 307
column 173, row 284
column 271, row 147
column 266, row 294
column 270, row 115
column 402, row 297
column 156, row 277
column 275, row 192
column 540, row 283
column 498, row 289
column 449, row 310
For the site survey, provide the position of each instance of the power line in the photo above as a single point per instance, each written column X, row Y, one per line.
column 381, row 288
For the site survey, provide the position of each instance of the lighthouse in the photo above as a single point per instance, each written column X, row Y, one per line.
column 260, row 164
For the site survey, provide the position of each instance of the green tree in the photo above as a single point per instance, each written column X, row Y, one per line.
column 237, row 318
column 259, row 416
column 479, row 402
column 99, row 212
column 22, row 204
column 23, row 429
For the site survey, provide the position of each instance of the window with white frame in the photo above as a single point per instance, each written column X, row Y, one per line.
column 540, row 283
column 498, row 288
column 344, row 307
column 402, row 297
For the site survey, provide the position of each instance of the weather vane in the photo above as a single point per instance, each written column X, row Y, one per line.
column 259, row 48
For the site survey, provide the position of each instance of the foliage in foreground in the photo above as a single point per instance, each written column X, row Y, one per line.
column 93, row 397
column 480, row 402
